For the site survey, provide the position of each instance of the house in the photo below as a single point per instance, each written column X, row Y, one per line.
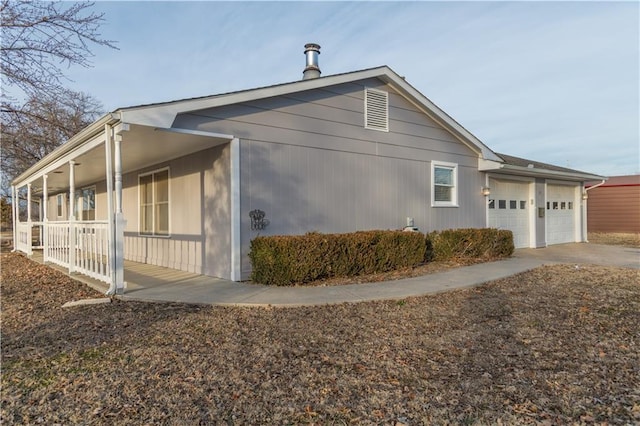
column 614, row 205
column 188, row 184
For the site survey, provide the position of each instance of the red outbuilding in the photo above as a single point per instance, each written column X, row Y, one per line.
column 615, row 205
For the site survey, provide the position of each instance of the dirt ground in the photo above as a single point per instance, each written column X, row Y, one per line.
column 557, row 345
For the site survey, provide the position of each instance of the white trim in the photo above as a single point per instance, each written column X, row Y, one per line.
column 72, row 218
column 454, row 187
column 153, row 225
column 512, row 178
column 44, row 235
column 29, row 204
column 533, row 214
column 486, row 201
column 195, row 133
column 108, row 135
column 544, row 173
column 562, row 182
column 71, row 213
column 236, row 242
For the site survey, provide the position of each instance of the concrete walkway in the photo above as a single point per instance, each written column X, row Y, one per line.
column 176, row 286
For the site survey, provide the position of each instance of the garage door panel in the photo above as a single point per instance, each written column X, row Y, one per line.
column 509, row 209
column 561, row 214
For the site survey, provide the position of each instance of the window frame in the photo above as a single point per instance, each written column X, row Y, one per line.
column 153, row 204
column 454, row 186
column 80, row 201
column 60, row 205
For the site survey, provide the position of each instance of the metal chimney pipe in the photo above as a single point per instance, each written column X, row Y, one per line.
column 312, row 69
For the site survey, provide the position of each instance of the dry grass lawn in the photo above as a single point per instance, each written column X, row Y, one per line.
column 616, row 239
column 557, row 345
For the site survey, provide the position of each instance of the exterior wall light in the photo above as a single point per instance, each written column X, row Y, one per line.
column 585, row 195
column 486, row 191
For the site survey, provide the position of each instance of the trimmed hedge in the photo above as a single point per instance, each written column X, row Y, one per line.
column 299, row 259
column 285, row 260
column 485, row 243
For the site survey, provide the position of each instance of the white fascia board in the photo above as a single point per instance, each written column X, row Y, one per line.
column 163, row 115
column 535, row 172
column 68, row 150
column 61, row 160
column 488, row 165
column 195, row 133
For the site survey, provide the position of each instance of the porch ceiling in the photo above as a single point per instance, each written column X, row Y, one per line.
column 141, row 147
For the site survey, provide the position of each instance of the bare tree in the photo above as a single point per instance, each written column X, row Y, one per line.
column 40, row 38
column 41, row 125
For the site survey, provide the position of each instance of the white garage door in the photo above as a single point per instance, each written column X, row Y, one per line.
column 509, row 209
column 561, row 214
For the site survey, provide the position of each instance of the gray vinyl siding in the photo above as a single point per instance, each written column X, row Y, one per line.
column 306, row 189
column 200, row 212
column 308, row 162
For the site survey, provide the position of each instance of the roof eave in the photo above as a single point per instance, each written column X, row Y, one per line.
column 77, row 140
column 538, row 172
column 163, row 115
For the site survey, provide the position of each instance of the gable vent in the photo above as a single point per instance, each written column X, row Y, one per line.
column 376, row 110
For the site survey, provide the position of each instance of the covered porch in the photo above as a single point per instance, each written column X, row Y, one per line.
column 56, row 217
column 151, row 282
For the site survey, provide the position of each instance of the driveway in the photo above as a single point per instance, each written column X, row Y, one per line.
column 597, row 254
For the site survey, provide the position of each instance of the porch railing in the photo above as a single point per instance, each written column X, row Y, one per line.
column 57, row 248
column 23, row 237
column 92, row 250
column 90, row 256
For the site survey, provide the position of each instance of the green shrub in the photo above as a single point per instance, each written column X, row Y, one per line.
column 299, row 259
column 284, row 260
column 485, row 243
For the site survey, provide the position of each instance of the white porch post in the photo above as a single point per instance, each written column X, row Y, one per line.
column 72, row 217
column 14, row 215
column 45, row 219
column 29, row 229
column 110, row 217
column 120, row 222
column 236, row 270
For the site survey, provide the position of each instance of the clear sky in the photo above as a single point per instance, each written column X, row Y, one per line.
column 556, row 82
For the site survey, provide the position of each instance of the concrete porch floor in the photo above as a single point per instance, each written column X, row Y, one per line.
column 150, row 280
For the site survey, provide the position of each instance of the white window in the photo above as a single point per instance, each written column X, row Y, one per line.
column 86, row 203
column 154, row 203
column 60, row 204
column 376, row 110
column 444, row 191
